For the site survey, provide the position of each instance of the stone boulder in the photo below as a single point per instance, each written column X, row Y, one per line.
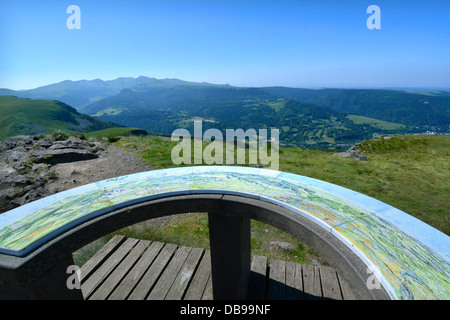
column 352, row 153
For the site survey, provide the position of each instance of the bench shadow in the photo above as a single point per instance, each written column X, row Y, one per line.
column 261, row 287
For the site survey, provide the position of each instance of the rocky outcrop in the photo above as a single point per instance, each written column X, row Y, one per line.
column 26, row 165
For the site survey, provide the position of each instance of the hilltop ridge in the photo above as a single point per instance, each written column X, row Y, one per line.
column 19, row 116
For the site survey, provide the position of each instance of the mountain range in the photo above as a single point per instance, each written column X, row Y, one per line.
column 305, row 117
column 83, row 92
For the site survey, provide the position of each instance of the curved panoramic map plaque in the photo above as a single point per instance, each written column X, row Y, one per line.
column 410, row 258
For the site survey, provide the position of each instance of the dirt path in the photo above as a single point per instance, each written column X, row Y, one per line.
column 112, row 162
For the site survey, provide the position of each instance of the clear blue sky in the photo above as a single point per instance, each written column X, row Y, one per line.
column 302, row 43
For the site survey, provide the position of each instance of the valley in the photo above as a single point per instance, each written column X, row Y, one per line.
column 327, row 119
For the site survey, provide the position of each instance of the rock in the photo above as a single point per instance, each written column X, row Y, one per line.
column 315, row 262
column 69, row 150
column 39, row 192
column 5, row 177
column 282, row 245
column 63, row 155
column 28, row 189
column 26, row 163
column 44, row 143
column 34, row 194
column 14, row 142
column 352, row 153
column 10, row 205
column 349, row 154
column 4, row 200
column 16, row 149
column 19, row 181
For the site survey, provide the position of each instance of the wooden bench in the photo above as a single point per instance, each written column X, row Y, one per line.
column 363, row 239
column 131, row 269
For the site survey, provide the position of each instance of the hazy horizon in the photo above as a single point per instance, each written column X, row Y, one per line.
column 426, row 89
column 300, row 44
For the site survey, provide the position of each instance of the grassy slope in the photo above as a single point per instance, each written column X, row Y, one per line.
column 411, row 173
column 19, row 116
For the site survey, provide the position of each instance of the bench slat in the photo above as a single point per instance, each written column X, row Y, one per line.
column 277, row 280
column 100, row 256
column 164, row 283
column 200, row 279
column 347, row 293
column 136, row 273
column 107, row 267
column 294, row 281
column 148, row 280
column 208, row 294
column 311, row 283
column 330, row 283
column 105, row 289
column 257, row 281
column 185, row 275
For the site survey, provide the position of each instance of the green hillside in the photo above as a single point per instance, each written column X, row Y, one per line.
column 116, row 132
column 420, row 111
column 20, row 116
column 407, row 108
column 178, row 97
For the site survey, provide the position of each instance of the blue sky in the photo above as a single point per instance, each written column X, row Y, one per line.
column 302, row 43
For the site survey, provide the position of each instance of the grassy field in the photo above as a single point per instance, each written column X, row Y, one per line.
column 411, row 173
column 375, row 123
